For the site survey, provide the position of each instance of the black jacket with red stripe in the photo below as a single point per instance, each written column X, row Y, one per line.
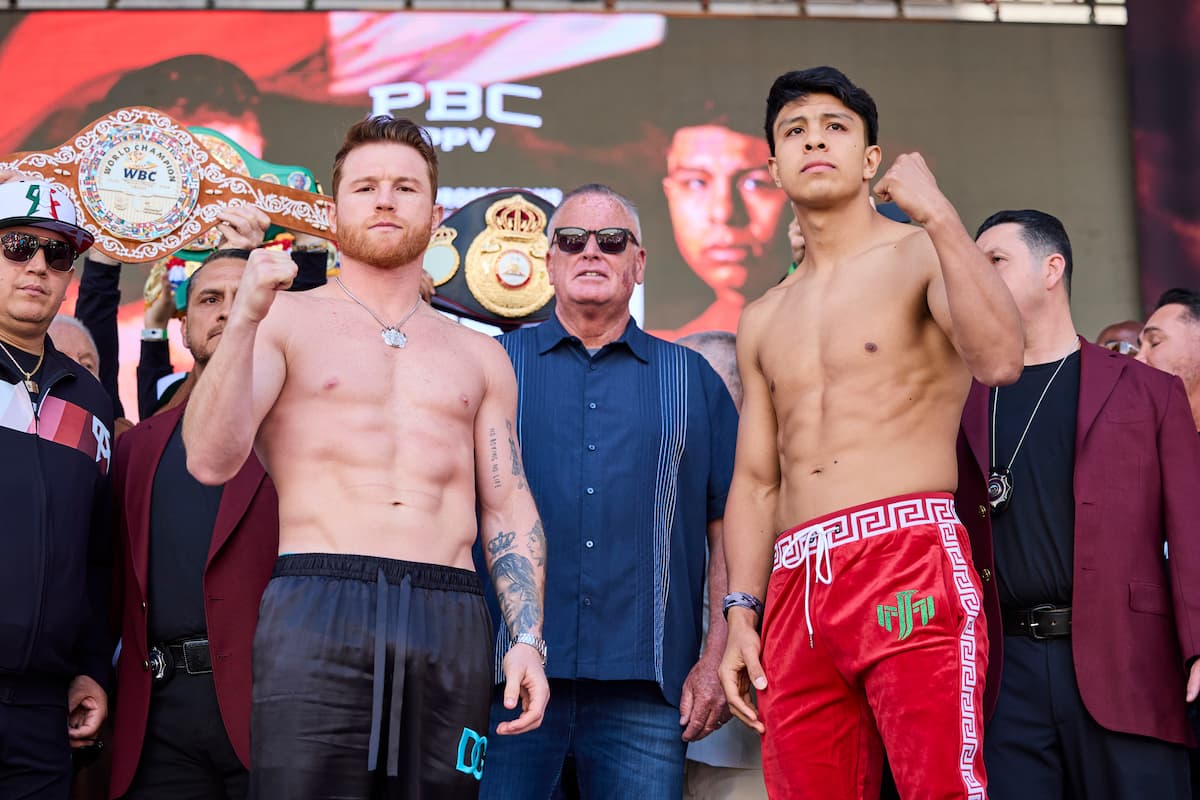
column 55, row 531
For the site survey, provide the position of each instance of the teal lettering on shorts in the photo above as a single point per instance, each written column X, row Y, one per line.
column 472, row 748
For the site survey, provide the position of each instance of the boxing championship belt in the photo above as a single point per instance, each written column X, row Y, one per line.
column 488, row 260
column 146, row 187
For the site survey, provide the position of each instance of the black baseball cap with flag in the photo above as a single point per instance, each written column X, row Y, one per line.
column 38, row 204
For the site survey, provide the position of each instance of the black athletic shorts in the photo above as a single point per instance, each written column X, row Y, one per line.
column 372, row 679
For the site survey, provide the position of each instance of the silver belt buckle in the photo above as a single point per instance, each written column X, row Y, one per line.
column 160, row 664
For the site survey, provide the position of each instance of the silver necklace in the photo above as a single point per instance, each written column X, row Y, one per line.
column 392, row 335
column 1000, row 485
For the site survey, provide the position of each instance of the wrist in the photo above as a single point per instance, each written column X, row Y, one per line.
column 533, row 641
column 99, row 258
column 154, row 333
column 942, row 216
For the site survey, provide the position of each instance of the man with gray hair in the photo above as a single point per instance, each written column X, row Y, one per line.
column 628, row 445
column 72, row 338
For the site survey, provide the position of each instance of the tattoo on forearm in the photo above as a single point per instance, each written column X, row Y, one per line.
column 502, row 541
column 517, row 472
column 495, row 458
column 537, row 544
column 517, row 591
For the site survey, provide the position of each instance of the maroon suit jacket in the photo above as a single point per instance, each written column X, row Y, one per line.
column 245, row 543
column 1135, row 621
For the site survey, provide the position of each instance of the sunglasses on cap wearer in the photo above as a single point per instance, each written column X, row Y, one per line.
column 20, row 247
column 1124, row 348
column 609, row 240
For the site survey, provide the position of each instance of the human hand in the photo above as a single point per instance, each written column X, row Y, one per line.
column 702, row 707
column 1193, row 684
column 910, row 185
column 268, row 271
column 524, row 680
column 796, row 240
column 740, row 667
column 87, row 706
column 242, row 227
column 159, row 313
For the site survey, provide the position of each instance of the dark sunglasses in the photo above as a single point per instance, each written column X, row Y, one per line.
column 21, row 247
column 609, row 240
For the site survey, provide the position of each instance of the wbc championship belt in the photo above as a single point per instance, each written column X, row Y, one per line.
column 145, row 186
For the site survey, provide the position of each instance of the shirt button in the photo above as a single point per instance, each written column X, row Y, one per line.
column 591, row 447
column 143, row 606
column 592, row 366
column 986, row 574
column 591, row 405
column 590, row 490
column 587, row 601
column 589, row 544
column 983, row 511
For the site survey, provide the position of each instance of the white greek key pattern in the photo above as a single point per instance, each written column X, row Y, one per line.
column 863, row 523
column 968, row 597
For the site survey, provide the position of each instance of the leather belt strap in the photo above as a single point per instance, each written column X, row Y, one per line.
column 1040, row 622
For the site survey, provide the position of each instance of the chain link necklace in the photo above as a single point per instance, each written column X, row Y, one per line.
column 392, row 335
column 1000, row 484
column 31, row 385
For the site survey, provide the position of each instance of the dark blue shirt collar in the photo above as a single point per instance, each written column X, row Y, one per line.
column 551, row 333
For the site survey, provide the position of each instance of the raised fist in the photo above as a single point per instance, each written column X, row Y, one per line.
column 268, row 271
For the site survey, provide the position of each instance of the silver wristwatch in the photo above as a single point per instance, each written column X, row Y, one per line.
column 536, row 642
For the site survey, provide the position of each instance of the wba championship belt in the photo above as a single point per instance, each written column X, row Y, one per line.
column 488, row 260
column 146, row 187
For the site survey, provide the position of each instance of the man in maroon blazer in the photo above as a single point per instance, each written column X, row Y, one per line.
column 1072, row 480
column 195, row 561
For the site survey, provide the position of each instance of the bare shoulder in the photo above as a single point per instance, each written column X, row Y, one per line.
column 481, row 348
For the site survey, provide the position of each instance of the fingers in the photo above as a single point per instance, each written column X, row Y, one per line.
column 242, row 227
column 735, row 681
column 535, row 693
column 685, row 704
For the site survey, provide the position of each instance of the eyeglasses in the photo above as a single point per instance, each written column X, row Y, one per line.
column 21, row 247
column 1124, row 348
column 609, row 240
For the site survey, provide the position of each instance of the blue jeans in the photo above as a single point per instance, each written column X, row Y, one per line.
column 625, row 739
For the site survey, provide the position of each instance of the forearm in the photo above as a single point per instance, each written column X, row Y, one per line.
column 223, row 401
column 987, row 326
column 515, row 551
column 718, row 587
column 96, row 307
column 749, row 538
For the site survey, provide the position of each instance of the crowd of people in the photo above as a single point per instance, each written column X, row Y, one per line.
column 906, row 532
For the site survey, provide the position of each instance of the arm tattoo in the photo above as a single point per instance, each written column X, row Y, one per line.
column 517, row 472
column 495, row 458
column 537, row 544
column 503, row 540
column 517, row 591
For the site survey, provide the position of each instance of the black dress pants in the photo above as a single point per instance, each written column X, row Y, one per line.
column 1042, row 744
column 186, row 754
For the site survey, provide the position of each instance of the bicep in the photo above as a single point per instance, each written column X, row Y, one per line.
column 757, row 456
column 498, row 469
column 268, row 372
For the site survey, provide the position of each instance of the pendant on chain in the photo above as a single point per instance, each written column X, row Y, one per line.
column 394, row 338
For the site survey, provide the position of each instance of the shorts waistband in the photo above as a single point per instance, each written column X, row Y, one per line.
column 864, row 521
column 367, row 568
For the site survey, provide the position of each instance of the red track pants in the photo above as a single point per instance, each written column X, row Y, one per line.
column 874, row 639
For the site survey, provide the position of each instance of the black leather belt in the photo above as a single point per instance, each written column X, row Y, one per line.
column 1039, row 622
column 190, row 656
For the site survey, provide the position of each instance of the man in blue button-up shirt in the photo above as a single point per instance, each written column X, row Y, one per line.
column 628, row 443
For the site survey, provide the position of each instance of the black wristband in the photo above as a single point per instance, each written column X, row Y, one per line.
column 742, row 600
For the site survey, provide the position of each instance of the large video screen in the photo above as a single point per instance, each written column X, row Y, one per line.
column 668, row 111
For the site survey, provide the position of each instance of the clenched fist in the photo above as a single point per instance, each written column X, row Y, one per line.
column 910, row 184
column 267, row 271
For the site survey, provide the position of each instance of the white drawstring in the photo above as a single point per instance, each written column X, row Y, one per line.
column 821, row 536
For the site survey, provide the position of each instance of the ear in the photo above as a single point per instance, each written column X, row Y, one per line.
column 1054, row 270
column 639, row 266
column 333, row 217
column 183, row 332
column 773, row 168
column 872, row 158
column 435, row 218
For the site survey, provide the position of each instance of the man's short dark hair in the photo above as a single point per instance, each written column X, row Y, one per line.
column 792, row 86
column 1043, row 234
column 383, row 128
column 216, row 255
column 1188, row 298
column 185, row 85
